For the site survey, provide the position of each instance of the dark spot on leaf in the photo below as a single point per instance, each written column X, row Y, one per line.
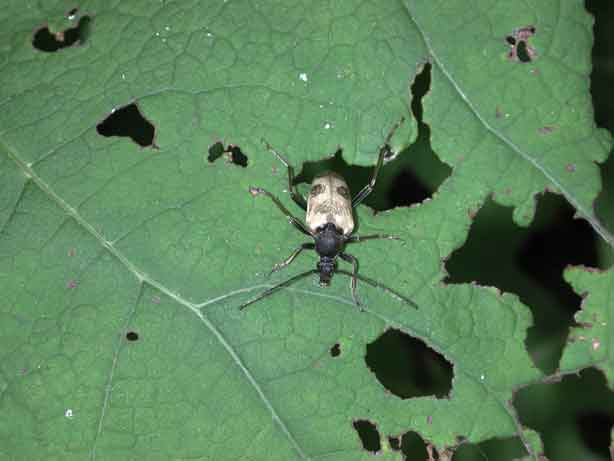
column 45, row 41
column 407, row 367
column 510, row 39
column 132, row 336
column 570, row 167
column 413, row 176
column 335, row 351
column 232, row 153
column 128, row 122
column 369, row 435
column 530, row 263
column 546, row 129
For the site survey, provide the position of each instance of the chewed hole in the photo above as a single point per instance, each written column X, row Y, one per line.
column 128, row 122
column 132, row 336
column 507, row 448
column 369, row 435
column 47, row 42
column 414, row 447
column 407, row 367
column 413, row 176
column 530, row 263
column 232, row 153
column 518, row 41
column 522, row 52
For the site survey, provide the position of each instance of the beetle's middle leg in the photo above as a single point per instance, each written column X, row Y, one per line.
column 294, row 193
column 289, row 259
column 293, row 219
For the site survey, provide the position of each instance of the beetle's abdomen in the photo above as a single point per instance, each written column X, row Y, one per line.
column 330, row 202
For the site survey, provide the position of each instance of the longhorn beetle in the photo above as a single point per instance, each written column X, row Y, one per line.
column 330, row 222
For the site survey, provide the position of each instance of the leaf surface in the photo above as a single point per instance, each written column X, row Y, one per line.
column 101, row 237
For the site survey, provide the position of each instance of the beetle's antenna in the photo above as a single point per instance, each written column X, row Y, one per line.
column 376, row 284
column 274, row 288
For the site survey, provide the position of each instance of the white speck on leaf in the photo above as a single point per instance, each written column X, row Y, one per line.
column 327, row 126
column 303, row 76
column 68, row 413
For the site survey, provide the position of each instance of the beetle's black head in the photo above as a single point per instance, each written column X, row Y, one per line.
column 329, row 240
column 326, row 266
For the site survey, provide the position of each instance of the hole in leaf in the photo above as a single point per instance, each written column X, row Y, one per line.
column 414, row 447
column 128, row 122
column 602, row 73
column 522, row 52
column 232, row 153
column 44, row 40
column 530, row 263
column 520, row 49
column 369, row 435
column 407, row 367
column 410, row 178
column 493, row 449
column 395, row 443
column 562, row 413
column 132, row 336
column 594, row 429
column 335, row 351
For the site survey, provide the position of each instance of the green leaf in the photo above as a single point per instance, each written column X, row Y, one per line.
column 591, row 342
column 101, row 237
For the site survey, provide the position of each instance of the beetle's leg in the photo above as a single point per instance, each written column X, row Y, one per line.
column 289, row 259
column 351, row 259
column 376, row 284
column 293, row 220
column 294, row 193
column 360, row 238
column 274, row 288
column 365, row 191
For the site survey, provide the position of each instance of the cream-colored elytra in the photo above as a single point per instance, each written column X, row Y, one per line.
column 330, row 202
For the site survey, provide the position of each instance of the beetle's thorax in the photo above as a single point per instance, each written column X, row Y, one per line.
column 330, row 202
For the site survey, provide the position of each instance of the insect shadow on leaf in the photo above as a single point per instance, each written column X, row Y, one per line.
column 330, row 223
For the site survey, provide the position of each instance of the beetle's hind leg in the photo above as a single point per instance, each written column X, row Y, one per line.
column 294, row 193
column 289, row 259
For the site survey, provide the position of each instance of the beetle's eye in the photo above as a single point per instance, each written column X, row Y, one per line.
column 343, row 192
column 317, row 189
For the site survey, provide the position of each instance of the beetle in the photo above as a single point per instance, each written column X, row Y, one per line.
column 329, row 221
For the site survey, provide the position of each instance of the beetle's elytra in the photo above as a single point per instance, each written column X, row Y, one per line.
column 329, row 221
